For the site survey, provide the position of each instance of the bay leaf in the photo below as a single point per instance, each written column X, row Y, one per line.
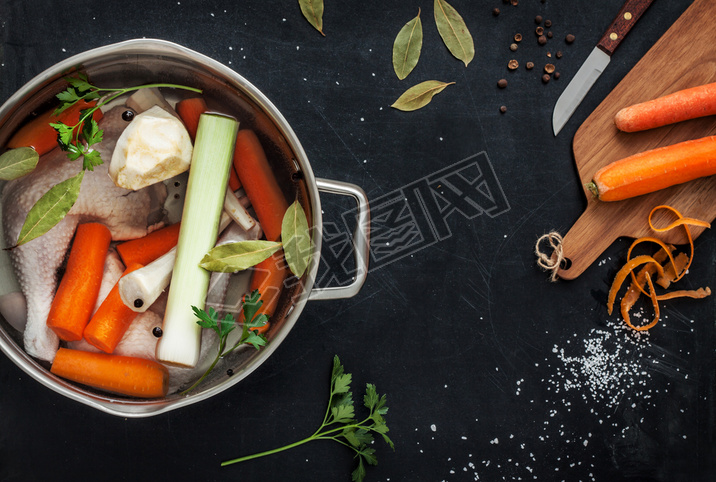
column 407, row 46
column 233, row 257
column 454, row 32
column 313, row 11
column 296, row 239
column 50, row 209
column 18, row 162
column 419, row 95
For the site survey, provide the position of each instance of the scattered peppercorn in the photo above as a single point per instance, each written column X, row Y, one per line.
column 542, row 40
column 513, row 47
column 559, row 54
column 127, row 115
column 502, row 83
column 569, row 38
column 548, row 23
column 138, row 303
column 539, row 31
column 157, row 332
column 230, row 372
column 550, row 34
column 529, row 65
column 495, row 11
column 513, row 64
column 549, row 68
column 518, row 37
column 545, row 78
column 556, row 75
column 503, row 109
column 538, row 19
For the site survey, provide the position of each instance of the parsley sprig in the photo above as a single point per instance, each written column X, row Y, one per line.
column 77, row 140
column 339, row 423
column 249, row 335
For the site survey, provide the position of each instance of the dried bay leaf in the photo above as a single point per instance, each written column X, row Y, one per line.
column 419, row 95
column 233, row 257
column 454, row 32
column 313, row 11
column 50, row 209
column 18, row 162
column 407, row 46
column 296, row 239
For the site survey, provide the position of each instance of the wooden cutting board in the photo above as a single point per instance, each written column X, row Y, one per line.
column 684, row 57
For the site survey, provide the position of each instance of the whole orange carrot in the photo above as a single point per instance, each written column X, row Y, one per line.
column 655, row 169
column 76, row 296
column 111, row 320
column 260, row 185
column 268, row 277
column 125, row 375
column 680, row 106
column 41, row 136
column 146, row 249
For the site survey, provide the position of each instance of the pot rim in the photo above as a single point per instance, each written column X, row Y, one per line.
column 148, row 46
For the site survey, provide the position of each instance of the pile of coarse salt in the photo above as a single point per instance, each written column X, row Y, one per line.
column 609, row 367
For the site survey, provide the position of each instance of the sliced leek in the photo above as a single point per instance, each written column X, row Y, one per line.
column 208, row 177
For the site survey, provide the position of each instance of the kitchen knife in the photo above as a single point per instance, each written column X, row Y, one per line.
column 597, row 61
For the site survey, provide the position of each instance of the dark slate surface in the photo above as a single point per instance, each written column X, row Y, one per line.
column 492, row 372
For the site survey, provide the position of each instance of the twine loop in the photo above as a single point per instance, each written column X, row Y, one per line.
column 552, row 261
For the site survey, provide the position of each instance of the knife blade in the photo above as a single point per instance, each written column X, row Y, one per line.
column 597, row 61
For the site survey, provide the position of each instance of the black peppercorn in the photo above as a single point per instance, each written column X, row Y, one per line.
column 157, row 332
column 138, row 303
column 128, row 115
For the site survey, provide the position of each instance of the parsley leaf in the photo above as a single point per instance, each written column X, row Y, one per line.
column 249, row 336
column 340, row 426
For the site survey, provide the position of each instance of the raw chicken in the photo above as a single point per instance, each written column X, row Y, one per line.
column 124, row 212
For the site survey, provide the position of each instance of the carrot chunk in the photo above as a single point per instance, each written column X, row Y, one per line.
column 260, row 185
column 76, row 296
column 111, row 320
column 132, row 376
column 41, row 136
column 146, row 249
column 268, row 277
column 189, row 111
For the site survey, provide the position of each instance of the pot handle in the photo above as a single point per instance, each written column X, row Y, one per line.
column 361, row 240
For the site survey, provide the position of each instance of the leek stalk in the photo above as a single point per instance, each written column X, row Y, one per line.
column 208, row 178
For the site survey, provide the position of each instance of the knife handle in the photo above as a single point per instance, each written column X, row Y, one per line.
column 625, row 20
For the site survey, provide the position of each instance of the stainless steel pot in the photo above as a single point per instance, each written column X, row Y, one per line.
column 137, row 62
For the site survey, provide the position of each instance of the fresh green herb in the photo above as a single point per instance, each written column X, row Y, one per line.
column 238, row 256
column 77, row 140
column 407, row 46
column 419, row 95
column 50, row 209
column 312, row 10
column 18, row 162
column 296, row 239
column 340, row 426
column 249, row 335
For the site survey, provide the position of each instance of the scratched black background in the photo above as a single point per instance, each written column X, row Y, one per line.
column 460, row 334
